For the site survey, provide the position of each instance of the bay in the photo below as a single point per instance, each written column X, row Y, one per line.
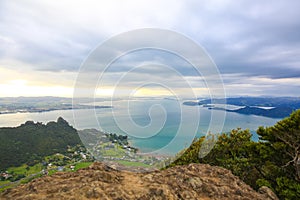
column 161, row 126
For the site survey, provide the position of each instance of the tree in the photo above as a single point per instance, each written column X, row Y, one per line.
column 284, row 140
column 233, row 151
column 274, row 161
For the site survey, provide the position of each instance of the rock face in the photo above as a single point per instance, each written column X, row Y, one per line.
column 194, row 181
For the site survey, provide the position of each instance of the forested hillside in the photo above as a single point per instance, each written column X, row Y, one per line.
column 274, row 161
column 31, row 142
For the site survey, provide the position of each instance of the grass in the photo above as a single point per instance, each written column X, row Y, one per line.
column 51, row 171
column 82, row 165
column 67, row 167
column 34, row 170
column 7, row 187
column 4, row 182
column 17, row 170
column 117, row 153
column 22, row 169
column 14, row 184
column 28, row 179
column 133, row 164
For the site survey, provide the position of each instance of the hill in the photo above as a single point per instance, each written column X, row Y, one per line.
column 273, row 161
column 292, row 102
column 277, row 112
column 194, row 181
column 30, row 142
column 278, row 107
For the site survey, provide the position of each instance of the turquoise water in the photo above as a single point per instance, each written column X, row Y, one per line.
column 167, row 128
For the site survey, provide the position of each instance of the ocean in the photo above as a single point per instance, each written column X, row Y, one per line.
column 163, row 126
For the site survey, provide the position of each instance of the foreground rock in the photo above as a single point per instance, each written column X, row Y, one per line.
column 194, row 181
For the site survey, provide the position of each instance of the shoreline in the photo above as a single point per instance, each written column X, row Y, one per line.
column 52, row 109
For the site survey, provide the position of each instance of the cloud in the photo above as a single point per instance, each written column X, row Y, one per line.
column 56, row 36
column 249, row 36
column 248, row 40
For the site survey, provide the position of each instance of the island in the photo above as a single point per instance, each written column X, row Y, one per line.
column 273, row 107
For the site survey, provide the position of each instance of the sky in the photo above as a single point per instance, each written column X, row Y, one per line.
column 254, row 44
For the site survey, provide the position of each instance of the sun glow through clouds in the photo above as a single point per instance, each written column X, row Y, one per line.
column 19, row 87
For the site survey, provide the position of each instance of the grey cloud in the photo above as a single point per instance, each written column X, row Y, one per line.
column 245, row 38
column 239, row 36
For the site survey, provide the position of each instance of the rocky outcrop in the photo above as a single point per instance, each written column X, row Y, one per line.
column 194, row 181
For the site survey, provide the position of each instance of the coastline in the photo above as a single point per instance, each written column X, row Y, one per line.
column 52, row 109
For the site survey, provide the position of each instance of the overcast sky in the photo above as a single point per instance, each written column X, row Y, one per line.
column 255, row 44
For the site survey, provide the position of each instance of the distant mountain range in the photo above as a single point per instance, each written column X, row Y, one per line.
column 277, row 107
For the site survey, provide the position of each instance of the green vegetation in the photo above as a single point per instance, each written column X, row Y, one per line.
column 34, row 149
column 133, row 164
column 274, row 161
column 120, row 139
column 25, row 169
column 4, row 182
column 30, row 178
column 20, row 175
column 4, row 186
column 31, row 142
column 112, row 147
column 67, row 168
column 50, row 165
column 82, row 165
column 114, row 153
